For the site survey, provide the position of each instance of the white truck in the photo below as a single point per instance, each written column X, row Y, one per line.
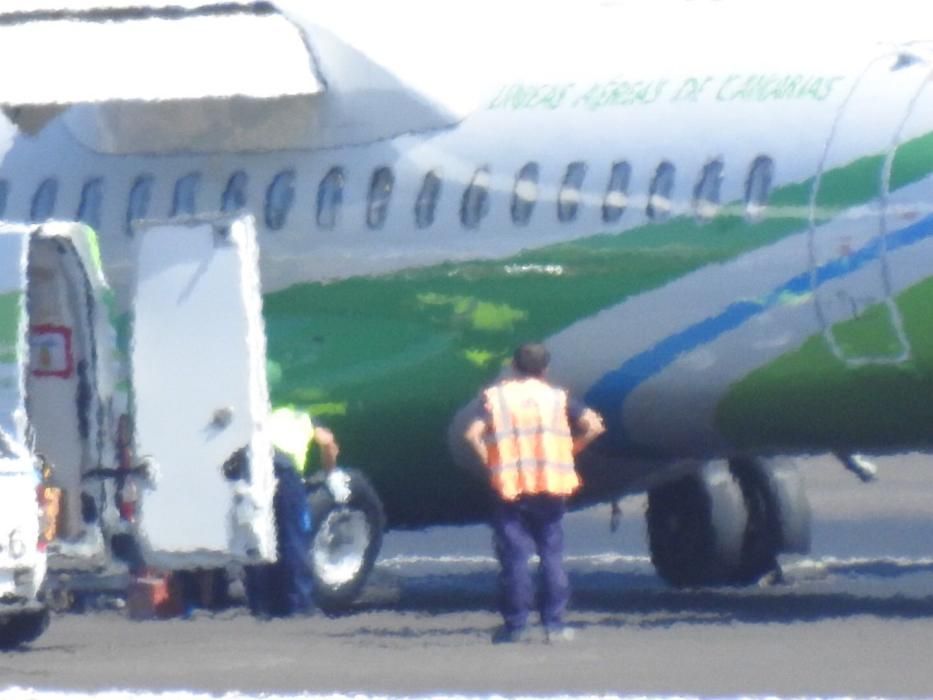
column 75, row 400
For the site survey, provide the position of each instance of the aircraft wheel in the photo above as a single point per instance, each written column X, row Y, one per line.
column 346, row 538
column 22, row 628
column 696, row 527
column 778, row 514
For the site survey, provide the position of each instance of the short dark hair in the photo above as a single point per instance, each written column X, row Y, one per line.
column 531, row 359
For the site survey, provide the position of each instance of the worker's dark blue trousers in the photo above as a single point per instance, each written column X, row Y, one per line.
column 286, row 586
column 521, row 527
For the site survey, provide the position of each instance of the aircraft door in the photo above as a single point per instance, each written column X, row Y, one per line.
column 198, row 371
column 853, row 213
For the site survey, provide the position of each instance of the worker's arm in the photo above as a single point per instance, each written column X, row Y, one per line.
column 474, row 437
column 590, row 426
column 329, row 448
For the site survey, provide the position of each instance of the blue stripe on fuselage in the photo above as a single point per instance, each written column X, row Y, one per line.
column 609, row 394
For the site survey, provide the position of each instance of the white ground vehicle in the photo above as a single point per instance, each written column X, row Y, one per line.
column 23, row 616
column 65, row 387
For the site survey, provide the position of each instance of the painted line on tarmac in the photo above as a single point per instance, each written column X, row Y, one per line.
column 603, row 559
column 17, row 693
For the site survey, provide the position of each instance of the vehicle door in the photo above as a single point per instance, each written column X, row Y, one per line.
column 200, row 394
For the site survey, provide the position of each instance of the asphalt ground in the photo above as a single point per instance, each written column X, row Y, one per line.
column 852, row 618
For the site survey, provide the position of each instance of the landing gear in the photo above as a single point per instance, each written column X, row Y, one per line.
column 696, row 525
column 346, row 538
column 726, row 523
column 778, row 514
column 22, row 628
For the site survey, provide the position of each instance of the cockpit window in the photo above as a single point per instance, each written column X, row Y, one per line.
column 140, row 195
column 279, row 198
column 568, row 200
column 92, row 197
column 184, row 200
column 426, row 204
column 525, row 194
column 475, row 203
column 706, row 194
column 758, row 187
column 380, row 192
column 234, row 196
column 659, row 195
column 616, row 199
column 330, row 197
column 43, row 201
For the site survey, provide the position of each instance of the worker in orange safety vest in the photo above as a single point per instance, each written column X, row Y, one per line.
column 527, row 433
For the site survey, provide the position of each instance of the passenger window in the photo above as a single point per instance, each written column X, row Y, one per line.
column 706, row 194
column 43, row 201
column 568, row 200
column 92, row 196
column 140, row 195
column 330, row 197
column 4, row 194
column 616, row 199
column 279, row 198
column 184, row 200
column 475, row 203
column 380, row 191
column 659, row 195
column 525, row 194
column 426, row 204
column 758, row 187
column 234, row 196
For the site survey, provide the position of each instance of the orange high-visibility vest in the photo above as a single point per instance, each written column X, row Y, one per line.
column 529, row 443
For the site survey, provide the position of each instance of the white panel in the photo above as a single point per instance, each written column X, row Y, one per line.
column 70, row 59
column 199, row 388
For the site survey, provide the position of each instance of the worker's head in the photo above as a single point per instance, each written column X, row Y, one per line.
column 531, row 360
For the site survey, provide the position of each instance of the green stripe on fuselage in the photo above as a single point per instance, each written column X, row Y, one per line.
column 10, row 314
column 798, row 400
column 386, row 361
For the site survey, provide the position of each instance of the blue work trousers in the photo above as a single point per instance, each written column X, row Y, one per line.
column 286, row 586
column 521, row 527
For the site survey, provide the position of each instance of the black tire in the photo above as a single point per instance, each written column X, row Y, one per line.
column 696, row 527
column 345, row 541
column 778, row 514
column 22, row 628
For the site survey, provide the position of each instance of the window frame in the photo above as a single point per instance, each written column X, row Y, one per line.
column 660, row 202
column 234, row 196
column 523, row 206
column 427, row 199
column 474, row 205
column 185, row 194
column 279, row 199
column 139, row 199
column 569, row 196
column 90, row 206
column 329, row 199
column 381, row 186
column 709, row 183
column 44, row 199
column 620, row 179
column 759, row 184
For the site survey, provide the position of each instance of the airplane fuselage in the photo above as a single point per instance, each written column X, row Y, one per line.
column 727, row 253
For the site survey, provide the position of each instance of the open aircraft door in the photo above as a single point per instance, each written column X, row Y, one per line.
column 200, row 393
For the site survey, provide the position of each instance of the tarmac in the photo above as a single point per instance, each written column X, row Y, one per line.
column 853, row 618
